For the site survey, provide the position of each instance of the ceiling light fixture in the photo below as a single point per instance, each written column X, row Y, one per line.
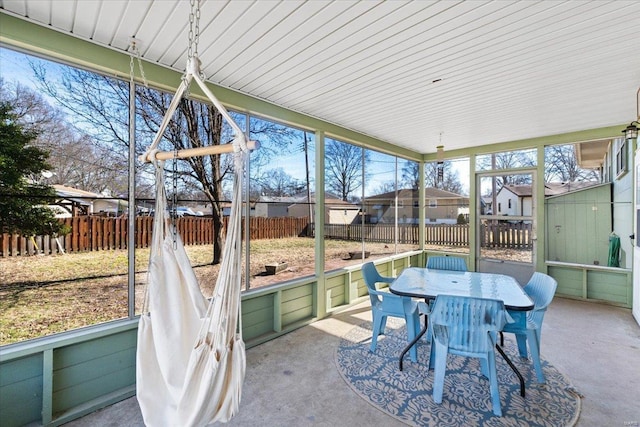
column 440, row 161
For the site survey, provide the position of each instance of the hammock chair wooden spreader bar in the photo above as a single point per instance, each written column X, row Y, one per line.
column 200, row 151
column 193, row 73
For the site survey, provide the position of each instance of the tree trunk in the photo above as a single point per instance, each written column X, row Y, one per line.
column 204, row 127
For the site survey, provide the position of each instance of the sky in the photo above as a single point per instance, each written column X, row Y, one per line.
column 15, row 66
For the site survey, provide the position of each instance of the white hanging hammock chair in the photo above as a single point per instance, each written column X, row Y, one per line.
column 190, row 361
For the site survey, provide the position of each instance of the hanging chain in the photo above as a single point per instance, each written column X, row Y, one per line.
column 131, row 66
column 194, row 35
column 144, row 77
column 196, row 38
column 174, row 199
column 136, row 52
column 194, row 29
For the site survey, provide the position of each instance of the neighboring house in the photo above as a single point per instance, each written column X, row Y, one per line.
column 516, row 200
column 440, row 206
column 273, row 206
column 336, row 210
column 74, row 202
column 485, row 206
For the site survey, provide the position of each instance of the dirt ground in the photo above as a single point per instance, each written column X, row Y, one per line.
column 41, row 295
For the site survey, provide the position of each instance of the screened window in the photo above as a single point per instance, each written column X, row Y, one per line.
column 447, row 205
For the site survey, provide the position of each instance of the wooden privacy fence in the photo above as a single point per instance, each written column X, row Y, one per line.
column 97, row 233
column 435, row 234
column 378, row 233
column 494, row 235
column 503, row 234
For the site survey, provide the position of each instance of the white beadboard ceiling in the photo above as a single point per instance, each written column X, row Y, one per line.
column 412, row 73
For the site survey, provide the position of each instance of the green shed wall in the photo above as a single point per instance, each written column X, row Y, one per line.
column 578, row 226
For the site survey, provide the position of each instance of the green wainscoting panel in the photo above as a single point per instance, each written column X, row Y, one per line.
column 608, row 287
column 385, row 269
column 358, row 287
column 297, row 304
column 85, row 371
column 257, row 316
column 336, row 291
column 570, row 281
column 591, row 282
column 399, row 265
column 21, row 383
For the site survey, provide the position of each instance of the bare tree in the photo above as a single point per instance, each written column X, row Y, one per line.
column 561, row 165
column 99, row 105
column 411, row 175
column 450, row 179
column 343, row 168
column 509, row 160
column 385, row 187
column 276, row 182
column 74, row 157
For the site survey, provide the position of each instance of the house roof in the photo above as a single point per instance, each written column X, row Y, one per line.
column 85, row 198
column 556, row 188
column 550, row 188
column 64, row 191
column 406, row 193
column 330, row 200
column 518, row 190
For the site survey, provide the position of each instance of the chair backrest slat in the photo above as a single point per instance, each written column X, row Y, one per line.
column 447, row 263
column 466, row 321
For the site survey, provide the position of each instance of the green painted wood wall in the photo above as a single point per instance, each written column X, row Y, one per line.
column 21, row 390
column 590, row 282
column 578, row 225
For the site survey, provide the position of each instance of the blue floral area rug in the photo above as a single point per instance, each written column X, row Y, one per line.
column 408, row 395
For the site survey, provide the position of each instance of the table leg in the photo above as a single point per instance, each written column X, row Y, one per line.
column 512, row 366
column 414, row 341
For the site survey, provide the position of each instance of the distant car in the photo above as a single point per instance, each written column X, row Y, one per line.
column 185, row 211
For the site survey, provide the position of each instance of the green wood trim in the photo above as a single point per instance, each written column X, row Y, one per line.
column 539, row 244
column 277, row 311
column 18, row 350
column 422, row 192
column 577, row 266
column 351, row 287
column 47, row 386
column 556, row 139
column 315, row 299
column 474, row 211
column 324, row 304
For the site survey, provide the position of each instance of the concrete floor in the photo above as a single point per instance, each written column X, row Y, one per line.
column 293, row 381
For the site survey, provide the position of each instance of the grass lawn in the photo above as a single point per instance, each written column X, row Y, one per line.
column 42, row 295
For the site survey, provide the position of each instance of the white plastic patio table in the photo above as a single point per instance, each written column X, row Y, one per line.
column 427, row 283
